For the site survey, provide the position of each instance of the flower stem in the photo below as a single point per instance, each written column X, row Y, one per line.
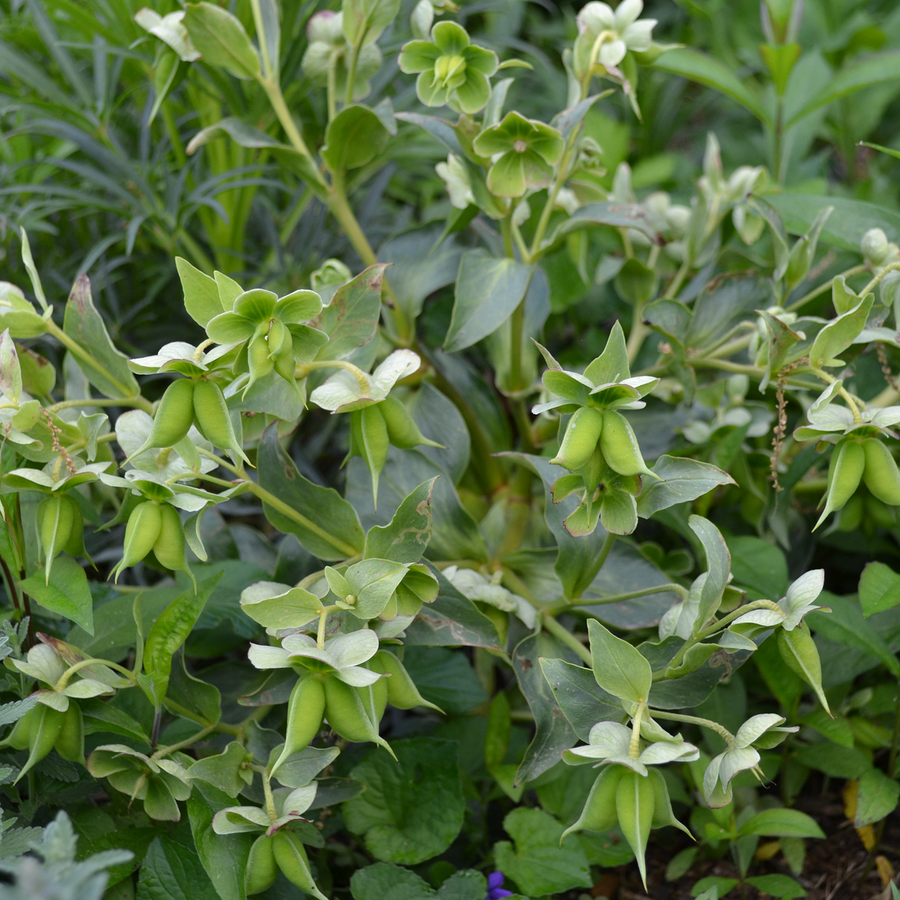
column 564, row 636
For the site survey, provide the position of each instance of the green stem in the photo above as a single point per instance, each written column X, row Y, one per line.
column 75, row 348
column 558, row 181
column 276, row 98
column 561, row 605
column 778, row 139
column 518, row 512
column 893, row 267
column 83, row 663
column 261, row 40
column 187, row 742
column 340, row 209
column 332, row 84
column 694, row 720
column 351, row 75
column 675, row 285
column 827, row 285
column 845, row 394
column 96, row 401
column 636, row 336
column 596, row 566
column 563, row 635
column 276, row 503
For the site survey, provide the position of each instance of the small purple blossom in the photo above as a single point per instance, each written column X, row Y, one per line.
column 495, row 887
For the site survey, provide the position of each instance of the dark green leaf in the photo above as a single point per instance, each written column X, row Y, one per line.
column 406, row 538
column 353, row 138
column 488, row 289
column 879, row 589
column 579, row 697
column 103, row 365
column 324, row 523
column 67, row 594
column 412, row 809
column 538, row 864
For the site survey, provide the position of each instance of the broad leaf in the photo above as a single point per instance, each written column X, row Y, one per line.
column 103, row 365
column 325, row 524
column 488, row 290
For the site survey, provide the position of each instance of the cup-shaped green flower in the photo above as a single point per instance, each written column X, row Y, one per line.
column 524, row 153
column 452, row 71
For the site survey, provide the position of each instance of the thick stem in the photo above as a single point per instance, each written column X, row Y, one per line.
column 351, row 75
column 276, row 503
column 816, row 291
column 694, row 720
column 74, row 347
column 187, row 742
column 617, row 598
column 565, row 637
column 675, row 284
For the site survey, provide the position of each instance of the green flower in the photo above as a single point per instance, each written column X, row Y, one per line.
column 454, row 72
column 524, row 153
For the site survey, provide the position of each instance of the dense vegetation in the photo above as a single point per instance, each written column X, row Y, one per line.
column 448, row 450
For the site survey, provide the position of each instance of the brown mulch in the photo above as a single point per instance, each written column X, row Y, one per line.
column 835, row 868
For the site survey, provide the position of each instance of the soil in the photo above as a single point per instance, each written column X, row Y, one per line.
column 835, row 868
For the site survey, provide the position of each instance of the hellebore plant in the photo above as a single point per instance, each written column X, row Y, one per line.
column 485, row 540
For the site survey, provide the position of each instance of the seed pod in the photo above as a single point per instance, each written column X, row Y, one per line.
column 620, row 447
column 70, row 742
column 374, row 698
column 592, row 472
column 56, row 521
column 347, row 715
column 635, row 803
column 599, row 813
column 279, row 339
column 258, row 360
column 580, row 440
column 19, row 738
column 173, row 419
column 370, row 439
column 662, row 805
column 401, row 427
column 881, row 514
column 850, row 517
column 306, row 707
column 141, row 533
column 45, row 728
column 290, row 855
column 401, row 689
column 262, row 870
column 214, row 420
column 881, row 474
column 848, row 462
column 169, row 546
column 285, row 365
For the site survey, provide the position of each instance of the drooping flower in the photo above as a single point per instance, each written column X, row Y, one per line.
column 765, row 730
column 617, row 32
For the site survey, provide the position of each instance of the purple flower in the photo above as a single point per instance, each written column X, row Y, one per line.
column 495, row 887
